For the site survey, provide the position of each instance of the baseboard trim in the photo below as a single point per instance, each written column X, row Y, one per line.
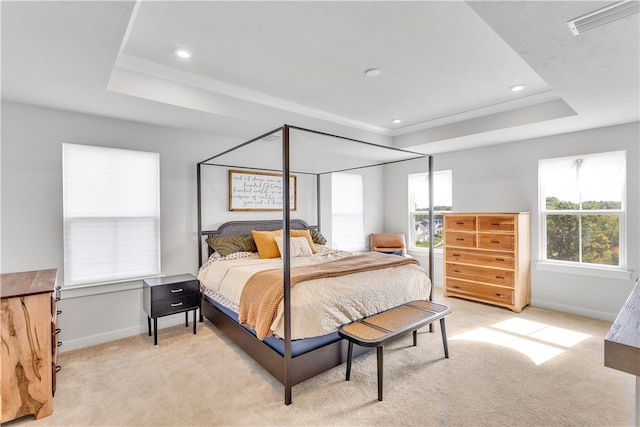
column 580, row 311
column 78, row 343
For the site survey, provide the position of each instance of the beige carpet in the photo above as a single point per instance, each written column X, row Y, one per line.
column 537, row 368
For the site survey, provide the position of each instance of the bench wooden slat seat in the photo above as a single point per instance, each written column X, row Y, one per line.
column 382, row 328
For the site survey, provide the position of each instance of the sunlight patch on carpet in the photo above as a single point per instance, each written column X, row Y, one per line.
column 538, row 341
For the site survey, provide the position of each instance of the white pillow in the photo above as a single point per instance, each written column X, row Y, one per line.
column 299, row 246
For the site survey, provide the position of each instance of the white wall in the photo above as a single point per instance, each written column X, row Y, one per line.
column 31, row 209
column 505, row 178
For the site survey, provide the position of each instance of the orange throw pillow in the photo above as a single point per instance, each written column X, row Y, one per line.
column 266, row 243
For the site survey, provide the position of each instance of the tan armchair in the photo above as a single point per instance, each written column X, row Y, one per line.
column 387, row 242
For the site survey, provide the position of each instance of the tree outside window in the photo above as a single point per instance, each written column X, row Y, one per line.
column 419, row 207
column 582, row 203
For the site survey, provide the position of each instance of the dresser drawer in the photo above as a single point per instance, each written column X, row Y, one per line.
column 499, row 242
column 174, row 305
column 460, row 239
column 496, row 223
column 492, row 259
column 480, row 274
column 460, row 222
column 172, row 290
column 480, row 291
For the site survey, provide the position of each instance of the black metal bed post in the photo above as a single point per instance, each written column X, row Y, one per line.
column 199, row 237
column 431, row 220
column 318, row 209
column 286, row 260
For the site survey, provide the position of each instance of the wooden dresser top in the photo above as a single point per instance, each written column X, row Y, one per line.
column 28, row 283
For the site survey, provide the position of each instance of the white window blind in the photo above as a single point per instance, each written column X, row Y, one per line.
column 347, row 211
column 111, row 214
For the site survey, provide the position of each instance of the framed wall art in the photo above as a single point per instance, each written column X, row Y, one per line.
column 259, row 191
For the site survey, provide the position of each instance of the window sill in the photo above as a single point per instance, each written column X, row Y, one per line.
column 606, row 273
column 101, row 288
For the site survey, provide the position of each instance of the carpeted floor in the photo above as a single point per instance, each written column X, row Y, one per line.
column 537, row 368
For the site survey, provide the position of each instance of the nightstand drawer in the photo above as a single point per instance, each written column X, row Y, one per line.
column 174, row 305
column 172, row 290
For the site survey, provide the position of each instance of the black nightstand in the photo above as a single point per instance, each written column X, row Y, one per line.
column 162, row 296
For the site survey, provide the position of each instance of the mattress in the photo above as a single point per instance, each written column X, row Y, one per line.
column 319, row 306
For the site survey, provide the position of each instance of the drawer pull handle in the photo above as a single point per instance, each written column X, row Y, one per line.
column 460, row 239
column 500, row 277
column 495, row 224
column 456, row 271
column 456, row 287
column 59, row 312
column 57, row 331
column 57, row 299
column 176, row 305
column 455, row 254
column 495, row 241
column 58, row 287
column 459, row 222
column 500, row 295
column 176, row 290
column 58, row 368
column 59, row 343
column 500, row 259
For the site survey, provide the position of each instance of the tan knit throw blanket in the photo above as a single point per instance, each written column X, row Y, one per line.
column 264, row 290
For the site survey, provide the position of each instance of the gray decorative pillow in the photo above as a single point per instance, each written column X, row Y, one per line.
column 317, row 237
column 226, row 245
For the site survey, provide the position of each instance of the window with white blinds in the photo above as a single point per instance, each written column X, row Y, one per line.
column 347, row 211
column 111, row 214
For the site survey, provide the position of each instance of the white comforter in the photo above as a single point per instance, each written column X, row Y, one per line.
column 320, row 306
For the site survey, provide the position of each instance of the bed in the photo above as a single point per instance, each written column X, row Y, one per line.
column 294, row 347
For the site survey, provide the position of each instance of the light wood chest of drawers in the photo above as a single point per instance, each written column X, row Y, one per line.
column 487, row 258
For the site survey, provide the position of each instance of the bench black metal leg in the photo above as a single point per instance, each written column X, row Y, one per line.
column 349, row 358
column 194, row 322
column 380, row 371
column 186, row 319
column 444, row 338
column 415, row 338
column 149, row 324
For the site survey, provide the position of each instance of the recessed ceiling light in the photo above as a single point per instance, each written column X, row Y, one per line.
column 396, row 121
column 183, row 53
column 372, row 72
column 517, row 88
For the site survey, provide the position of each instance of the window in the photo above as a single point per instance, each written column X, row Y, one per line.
column 111, row 214
column 582, row 209
column 419, row 207
column 347, row 211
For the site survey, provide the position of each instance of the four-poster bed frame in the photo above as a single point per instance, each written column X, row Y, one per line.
column 287, row 366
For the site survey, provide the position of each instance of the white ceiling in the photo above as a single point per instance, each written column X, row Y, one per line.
column 446, row 67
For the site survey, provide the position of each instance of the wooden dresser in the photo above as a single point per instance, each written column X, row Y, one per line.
column 487, row 258
column 29, row 343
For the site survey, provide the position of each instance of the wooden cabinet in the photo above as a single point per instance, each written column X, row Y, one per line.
column 29, row 343
column 487, row 258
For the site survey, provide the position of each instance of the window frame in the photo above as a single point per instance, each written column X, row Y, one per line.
column 74, row 215
column 581, row 267
column 412, row 213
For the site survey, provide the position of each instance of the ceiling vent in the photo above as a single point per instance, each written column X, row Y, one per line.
column 603, row 16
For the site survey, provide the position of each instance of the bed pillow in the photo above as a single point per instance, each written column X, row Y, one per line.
column 307, row 235
column 266, row 243
column 226, row 245
column 299, row 246
column 317, row 237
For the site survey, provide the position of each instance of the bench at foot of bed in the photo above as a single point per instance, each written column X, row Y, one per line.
column 382, row 328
